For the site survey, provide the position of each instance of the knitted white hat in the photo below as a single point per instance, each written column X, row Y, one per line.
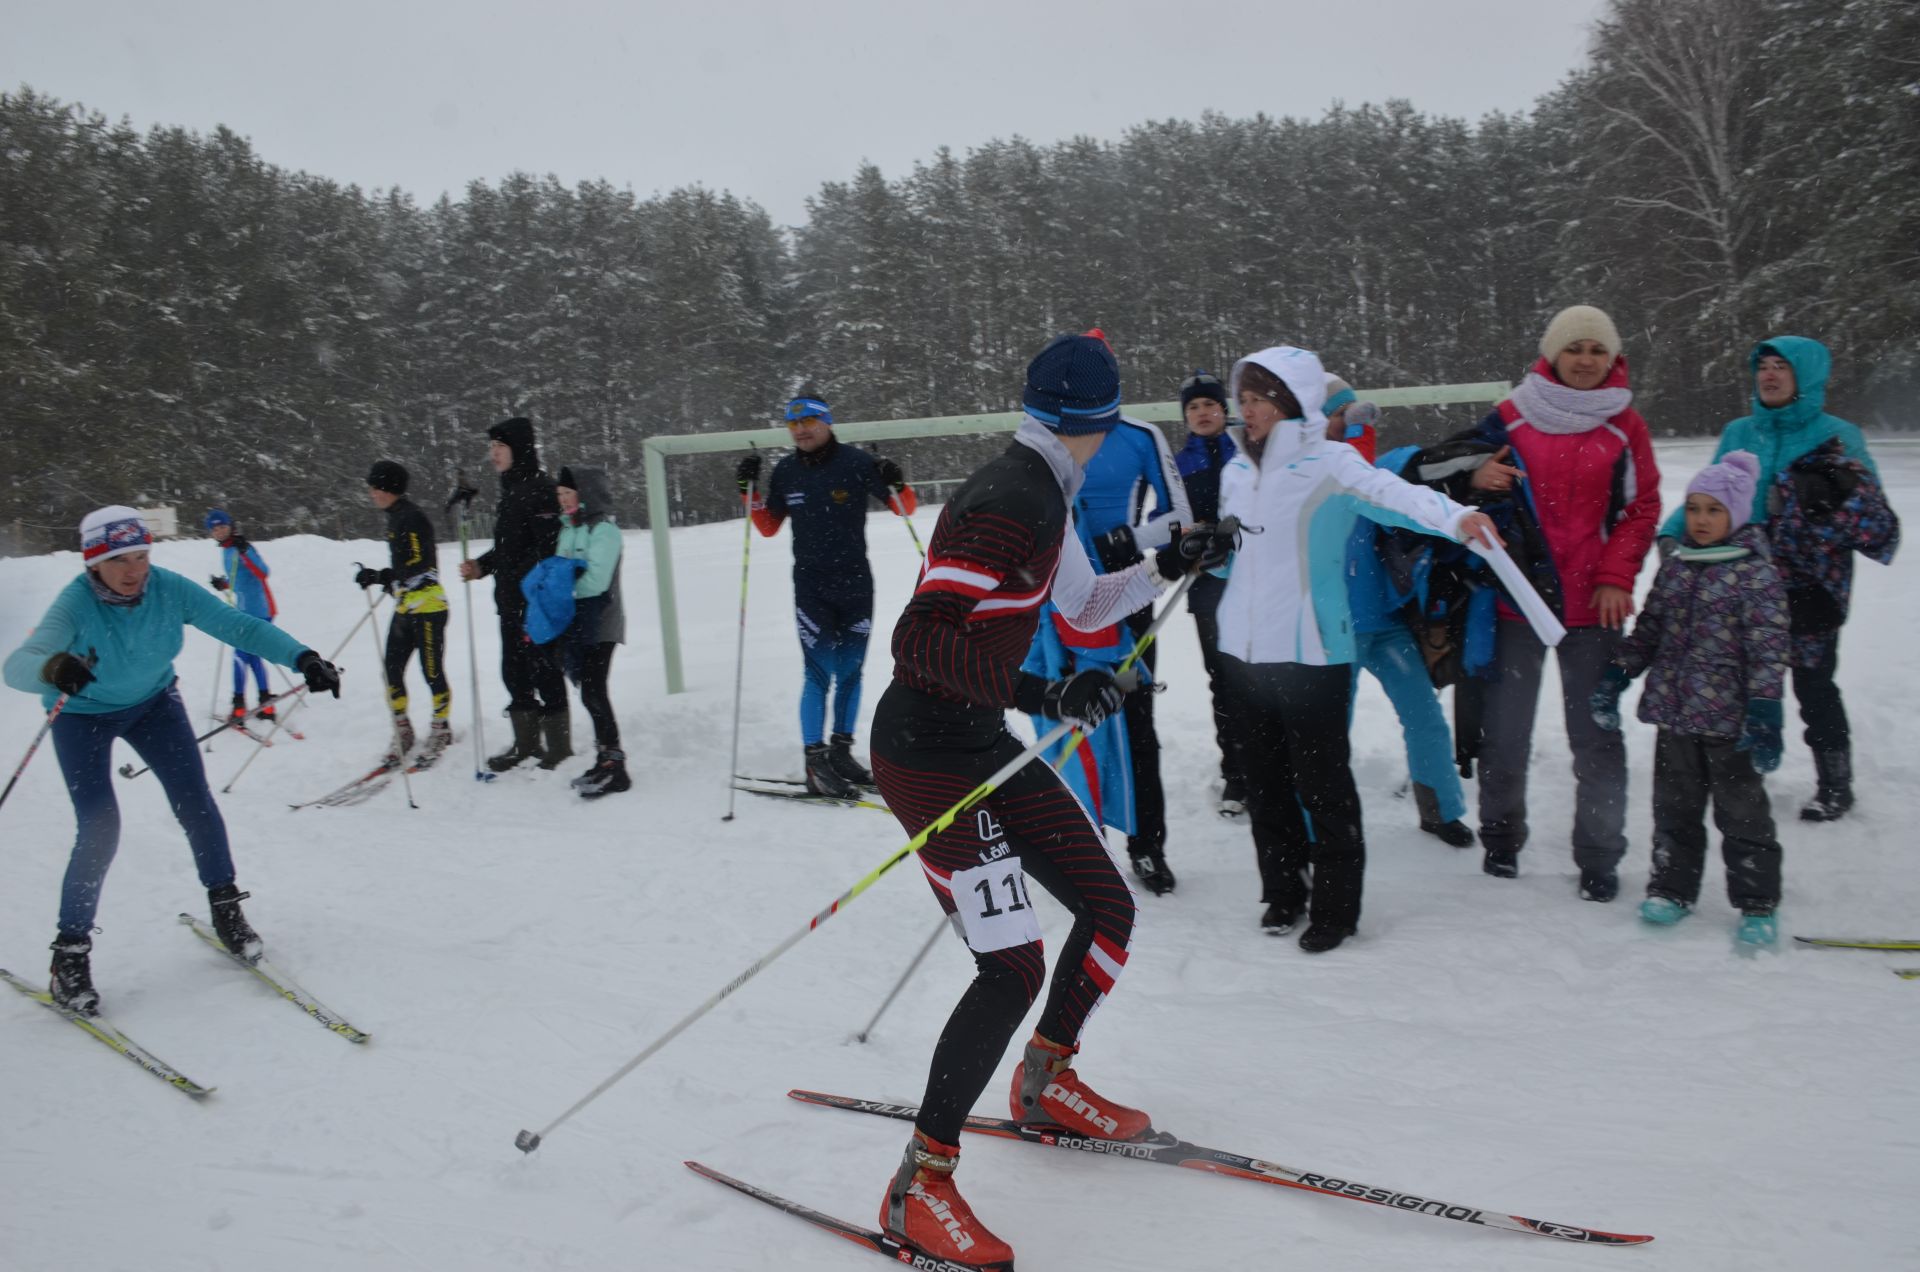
column 113, row 531
column 1579, row 322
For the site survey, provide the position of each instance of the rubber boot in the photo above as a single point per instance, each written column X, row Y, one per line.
column 556, row 728
column 526, row 740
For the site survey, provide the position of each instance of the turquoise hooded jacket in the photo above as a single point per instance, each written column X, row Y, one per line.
column 1778, row 435
column 134, row 645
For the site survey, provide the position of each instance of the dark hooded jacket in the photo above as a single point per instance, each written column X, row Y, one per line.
column 526, row 524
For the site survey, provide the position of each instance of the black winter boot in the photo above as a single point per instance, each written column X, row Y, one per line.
column 1501, row 863
column 840, row 755
column 526, row 741
column 608, row 776
column 823, row 778
column 1834, row 795
column 1321, row 937
column 72, row 983
column 1455, row 833
column 231, row 926
column 1152, row 870
column 556, row 729
column 1599, row 885
column 1278, row 920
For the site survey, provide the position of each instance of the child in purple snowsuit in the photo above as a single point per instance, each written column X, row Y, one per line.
column 1713, row 641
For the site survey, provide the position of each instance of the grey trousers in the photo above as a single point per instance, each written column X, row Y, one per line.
column 1687, row 769
column 1599, row 757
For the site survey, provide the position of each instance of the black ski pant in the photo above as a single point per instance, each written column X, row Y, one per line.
column 1688, row 769
column 927, row 755
column 1203, row 602
column 531, row 672
column 1821, row 708
column 589, row 665
column 426, row 633
column 1149, row 800
column 1291, row 727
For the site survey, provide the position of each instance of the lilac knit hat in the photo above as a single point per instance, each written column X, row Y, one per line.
column 1732, row 482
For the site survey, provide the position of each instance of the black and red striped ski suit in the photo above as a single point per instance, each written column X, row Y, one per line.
column 940, row 730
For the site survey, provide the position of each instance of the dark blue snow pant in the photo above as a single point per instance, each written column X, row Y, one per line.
column 833, row 627
column 160, row 734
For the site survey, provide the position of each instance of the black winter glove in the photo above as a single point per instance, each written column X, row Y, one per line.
column 322, row 676
column 889, row 472
column 1202, row 548
column 370, row 578
column 219, row 583
column 1822, row 488
column 747, row 472
column 67, row 674
column 1117, row 549
column 1086, row 697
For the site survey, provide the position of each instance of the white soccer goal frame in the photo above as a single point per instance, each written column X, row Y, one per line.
column 655, row 450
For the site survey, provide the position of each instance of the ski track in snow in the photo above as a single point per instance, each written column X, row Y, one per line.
column 1498, row 1044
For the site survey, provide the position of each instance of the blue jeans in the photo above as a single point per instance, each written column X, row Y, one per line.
column 160, row 734
column 1394, row 659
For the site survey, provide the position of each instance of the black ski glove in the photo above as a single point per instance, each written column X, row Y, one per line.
column 219, row 583
column 1202, row 547
column 889, row 472
column 371, row 578
column 67, row 674
column 322, row 676
column 1824, row 487
column 1117, row 549
column 1086, row 697
column 747, row 472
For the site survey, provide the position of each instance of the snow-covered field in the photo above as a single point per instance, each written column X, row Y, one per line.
column 1500, row 1044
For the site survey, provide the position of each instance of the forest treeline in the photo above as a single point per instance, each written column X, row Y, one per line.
column 183, row 322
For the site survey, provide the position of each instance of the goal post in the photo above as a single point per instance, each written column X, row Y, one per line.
column 656, row 450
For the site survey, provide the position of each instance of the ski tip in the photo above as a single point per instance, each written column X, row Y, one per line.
column 526, row 1141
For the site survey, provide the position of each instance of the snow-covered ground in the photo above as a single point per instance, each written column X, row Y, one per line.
column 1500, row 1044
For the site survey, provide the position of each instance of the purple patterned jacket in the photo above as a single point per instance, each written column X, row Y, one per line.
column 1712, row 636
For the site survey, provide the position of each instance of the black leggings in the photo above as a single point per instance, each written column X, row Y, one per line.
column 428, row 634
column 589, row 665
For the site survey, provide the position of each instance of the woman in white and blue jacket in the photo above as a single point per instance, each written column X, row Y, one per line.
column 1286, row 636
column 103, row 655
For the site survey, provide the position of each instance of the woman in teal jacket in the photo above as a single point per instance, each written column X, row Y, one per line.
column 589, row 536
column 105, row 651
column 1789, row 424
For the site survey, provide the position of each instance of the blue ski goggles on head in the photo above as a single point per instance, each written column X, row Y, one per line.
column 805, row 408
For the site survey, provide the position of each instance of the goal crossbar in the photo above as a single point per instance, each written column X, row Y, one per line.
column 655, row 450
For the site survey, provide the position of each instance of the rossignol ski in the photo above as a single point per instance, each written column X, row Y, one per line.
column 880, row 1243
column 358, row 791
column 98, row 1028
column 1166, row 1150
column 280, row 983
column 1861, row 942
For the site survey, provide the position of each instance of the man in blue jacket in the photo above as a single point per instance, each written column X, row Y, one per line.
column 1130, row 501
column 824, row 488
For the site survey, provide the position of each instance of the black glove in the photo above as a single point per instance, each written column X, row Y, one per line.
column 371, row 578
column 1086, row 697
column 1822, row 488
column 889, row 472
column 66, row 673
column 322, row 676
column 219, row 583
column 747, row 472
column 1117, row 549
column 1202, row 547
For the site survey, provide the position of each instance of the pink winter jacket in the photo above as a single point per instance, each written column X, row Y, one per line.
column 1596, row 495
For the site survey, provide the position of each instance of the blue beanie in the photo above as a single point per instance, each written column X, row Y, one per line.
column 809, row 406
column 1073, row 385
column 216, row 517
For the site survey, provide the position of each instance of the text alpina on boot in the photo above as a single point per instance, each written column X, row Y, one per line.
column 1046, row 1089
column 924, row 1209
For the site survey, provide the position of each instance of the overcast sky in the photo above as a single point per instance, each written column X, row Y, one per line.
column 763, row 98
